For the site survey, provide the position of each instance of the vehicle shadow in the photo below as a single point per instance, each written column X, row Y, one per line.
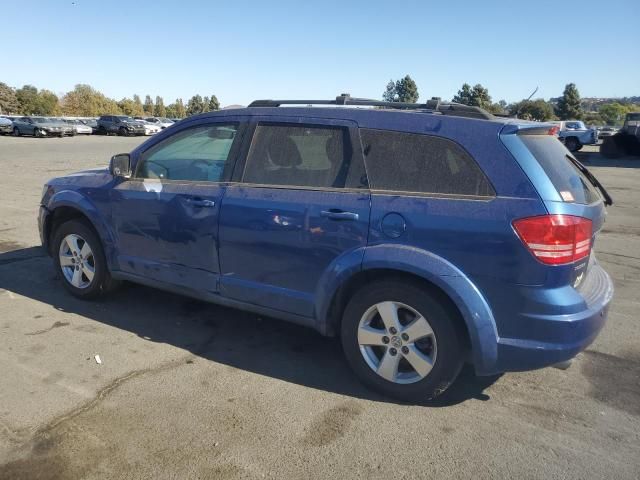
column 232, row 337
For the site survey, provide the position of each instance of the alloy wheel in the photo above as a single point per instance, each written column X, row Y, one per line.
column 397, row 342
column 77, row 261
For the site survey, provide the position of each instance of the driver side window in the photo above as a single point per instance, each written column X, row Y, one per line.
column 201, row 153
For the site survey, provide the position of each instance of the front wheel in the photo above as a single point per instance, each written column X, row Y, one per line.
column 79, row 260
column 122, row 132
column 16, row 132
column 401, row 340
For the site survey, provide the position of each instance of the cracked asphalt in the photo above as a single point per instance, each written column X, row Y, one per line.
column 191, row 390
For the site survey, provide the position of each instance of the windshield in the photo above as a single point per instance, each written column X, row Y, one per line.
column 572, row 185
column 123, row 118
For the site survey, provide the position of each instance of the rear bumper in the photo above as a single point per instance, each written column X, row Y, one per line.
column 558, row 337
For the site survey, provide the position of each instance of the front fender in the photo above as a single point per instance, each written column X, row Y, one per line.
column 77, row 201
column 475, row 310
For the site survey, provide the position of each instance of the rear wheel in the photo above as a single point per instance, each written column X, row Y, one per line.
column 37, row 132
column 16, row 132
column 401, row 340
column 79, row 260
column 122, row 132
column 101, row 130
column 572, row 144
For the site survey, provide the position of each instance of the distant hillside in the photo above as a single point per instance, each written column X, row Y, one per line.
column 591, row 104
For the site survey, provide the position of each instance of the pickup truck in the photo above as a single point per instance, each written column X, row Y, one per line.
column 574, row 134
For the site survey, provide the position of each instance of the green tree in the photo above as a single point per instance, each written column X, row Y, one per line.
column 205, row 104
column 612, row 113
column 195, row 105
column 148, row 105
column 47, row 104
column 404, row 90
column 85, row 101
column 34, row 102
column 130, row 107
column 539, row 110
column 27, row 97
column 464, row 95
column 213, row 104
column 170, row 110
column 180, row 110
column 476, row 96
column 569, row 106
column 158, row 109
column 8, row 100
column 138, row 102
column 389, row 94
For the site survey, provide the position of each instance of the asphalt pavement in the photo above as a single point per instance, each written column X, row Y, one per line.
column 191, row 390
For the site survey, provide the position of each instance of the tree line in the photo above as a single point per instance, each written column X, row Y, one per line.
column 85, row 101
column 567, row 107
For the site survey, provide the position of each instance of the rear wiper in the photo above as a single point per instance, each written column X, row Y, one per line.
column 607, row 198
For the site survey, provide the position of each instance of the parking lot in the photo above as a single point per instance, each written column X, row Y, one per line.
column 191, row 390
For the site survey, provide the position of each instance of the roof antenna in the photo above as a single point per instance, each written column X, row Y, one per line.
column 528, row 98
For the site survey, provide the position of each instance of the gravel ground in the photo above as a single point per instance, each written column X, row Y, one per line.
column 191, row 390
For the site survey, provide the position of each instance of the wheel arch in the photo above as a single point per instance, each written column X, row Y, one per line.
column 69, row 205
column 475, row 320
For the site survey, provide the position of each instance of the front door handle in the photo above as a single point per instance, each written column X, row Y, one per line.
column 335, row 214
column 200, row 202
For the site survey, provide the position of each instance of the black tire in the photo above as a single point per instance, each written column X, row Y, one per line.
column 441, row 318
column 123, row 132
column 16, row 132
column 572, row 144
column 102, row 131
column 37, row 133
column 101, row 282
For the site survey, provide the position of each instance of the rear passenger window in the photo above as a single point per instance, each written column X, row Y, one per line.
column 299, row 155
column 409, row 162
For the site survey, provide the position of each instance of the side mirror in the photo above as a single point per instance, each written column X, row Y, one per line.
column 120, row 165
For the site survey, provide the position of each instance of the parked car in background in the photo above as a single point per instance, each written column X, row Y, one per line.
column 574, row 134
column 41, row 127
column 161, row 121
column 80, row 127
column 150, row 128
column 91, row 122
column 120, row 125
column 6, row 125
column 423, row 235
column 606, row 131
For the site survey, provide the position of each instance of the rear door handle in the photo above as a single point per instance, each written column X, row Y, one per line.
column 200, row 202
column 339, row 215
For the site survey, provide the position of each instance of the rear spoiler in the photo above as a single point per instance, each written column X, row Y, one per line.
column 522, row 127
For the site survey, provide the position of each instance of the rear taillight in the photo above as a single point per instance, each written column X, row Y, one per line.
column 556, row 239
column 555, row 130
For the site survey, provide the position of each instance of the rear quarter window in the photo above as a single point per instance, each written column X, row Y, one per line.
column 570, row 183
column 409, row 162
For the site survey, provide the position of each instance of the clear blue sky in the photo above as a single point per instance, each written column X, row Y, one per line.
column 243, row 50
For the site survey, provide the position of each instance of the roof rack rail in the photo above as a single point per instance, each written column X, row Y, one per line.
column 435, row 105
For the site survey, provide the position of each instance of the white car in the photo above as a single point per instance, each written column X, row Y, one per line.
column 79, row 127
column 161, row 121
column 150, row 128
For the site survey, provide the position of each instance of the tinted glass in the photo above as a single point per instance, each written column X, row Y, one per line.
column 197, row 154
column 571, row 184
column 410, row 162
column 308, row 156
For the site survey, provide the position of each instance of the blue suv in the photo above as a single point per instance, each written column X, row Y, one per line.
column 423, row 235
